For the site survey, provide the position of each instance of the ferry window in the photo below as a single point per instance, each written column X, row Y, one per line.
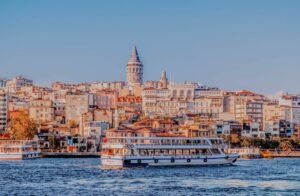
column 215, row 151
column 172, row 152
column 157, row 152
column 186, row 152
column 151, row 152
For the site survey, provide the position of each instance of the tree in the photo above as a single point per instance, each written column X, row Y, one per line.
column 285, row 145
column 258, row 142
column 73, row 124
column 246, row 142
column 53, row 141
column 22, row 127
column 295, row 142
column 233, row 139
column 271, row 144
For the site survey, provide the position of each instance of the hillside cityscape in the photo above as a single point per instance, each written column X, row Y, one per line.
column 150, row 98
column 75, row 117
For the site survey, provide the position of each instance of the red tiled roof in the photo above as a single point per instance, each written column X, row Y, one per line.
column 245, row 93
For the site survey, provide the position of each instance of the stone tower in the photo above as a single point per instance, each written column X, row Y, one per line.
column 163, row 82
column 134, row 69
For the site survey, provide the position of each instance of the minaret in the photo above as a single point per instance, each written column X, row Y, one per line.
column 134, row 69
column 116, row 119
column 163, row 82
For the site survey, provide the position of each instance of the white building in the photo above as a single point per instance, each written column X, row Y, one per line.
column 223, row 129
column 16, row 83
column 95, row 129
column 249, row 110
column 2, row 83
column 272, row 114
column 184, row 91
column 208, row 91
column 228, row 128
column 178, row 99
column 151, row 99
column 76, row 105
column 41, row 110
column 59, row 102
column 208, row 105
column 252, row 130
column 272, row 128
column 290, row 105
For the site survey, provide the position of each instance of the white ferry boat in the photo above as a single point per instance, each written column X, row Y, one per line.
column 164, row 151
column 19, row 149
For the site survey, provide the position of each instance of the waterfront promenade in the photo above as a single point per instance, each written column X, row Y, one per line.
column 250, row 153
column 282, row 154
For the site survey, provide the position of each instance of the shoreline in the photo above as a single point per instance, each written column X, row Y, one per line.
column 97, row 155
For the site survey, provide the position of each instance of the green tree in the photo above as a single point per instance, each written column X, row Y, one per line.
column 53, row 141
column 22, row 127
column 257, row 142
column 271, row 144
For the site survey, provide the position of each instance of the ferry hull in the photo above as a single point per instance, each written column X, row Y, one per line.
column 18, row 156
column 160, row 161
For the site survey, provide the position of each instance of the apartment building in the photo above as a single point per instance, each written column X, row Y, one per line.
column 105, row 99
column 41, row 110
column 151, row 99
column 76, row 105
column 249, row 110
column 16, row 83
column 290, row 108
column 271, row 117
column 3, row 111
column 208, row 105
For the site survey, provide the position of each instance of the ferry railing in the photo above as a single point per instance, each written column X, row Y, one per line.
column 242, row 151
column 167, row 144
column 176, row 156
column 212, row 142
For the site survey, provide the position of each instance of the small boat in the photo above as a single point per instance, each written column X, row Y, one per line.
column 19, row 149
column 164, row 151
column 266, row 154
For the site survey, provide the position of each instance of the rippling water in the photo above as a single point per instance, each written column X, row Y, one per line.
column 84, row 176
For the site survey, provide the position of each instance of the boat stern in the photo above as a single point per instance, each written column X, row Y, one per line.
column 107, row 161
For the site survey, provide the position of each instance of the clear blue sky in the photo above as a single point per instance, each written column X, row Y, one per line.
column 234, row 45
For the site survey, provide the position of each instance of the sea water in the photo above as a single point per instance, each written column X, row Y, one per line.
column 85, row 177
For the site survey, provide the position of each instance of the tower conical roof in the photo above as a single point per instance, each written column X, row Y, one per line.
column 163, row 74
column 134, row 58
